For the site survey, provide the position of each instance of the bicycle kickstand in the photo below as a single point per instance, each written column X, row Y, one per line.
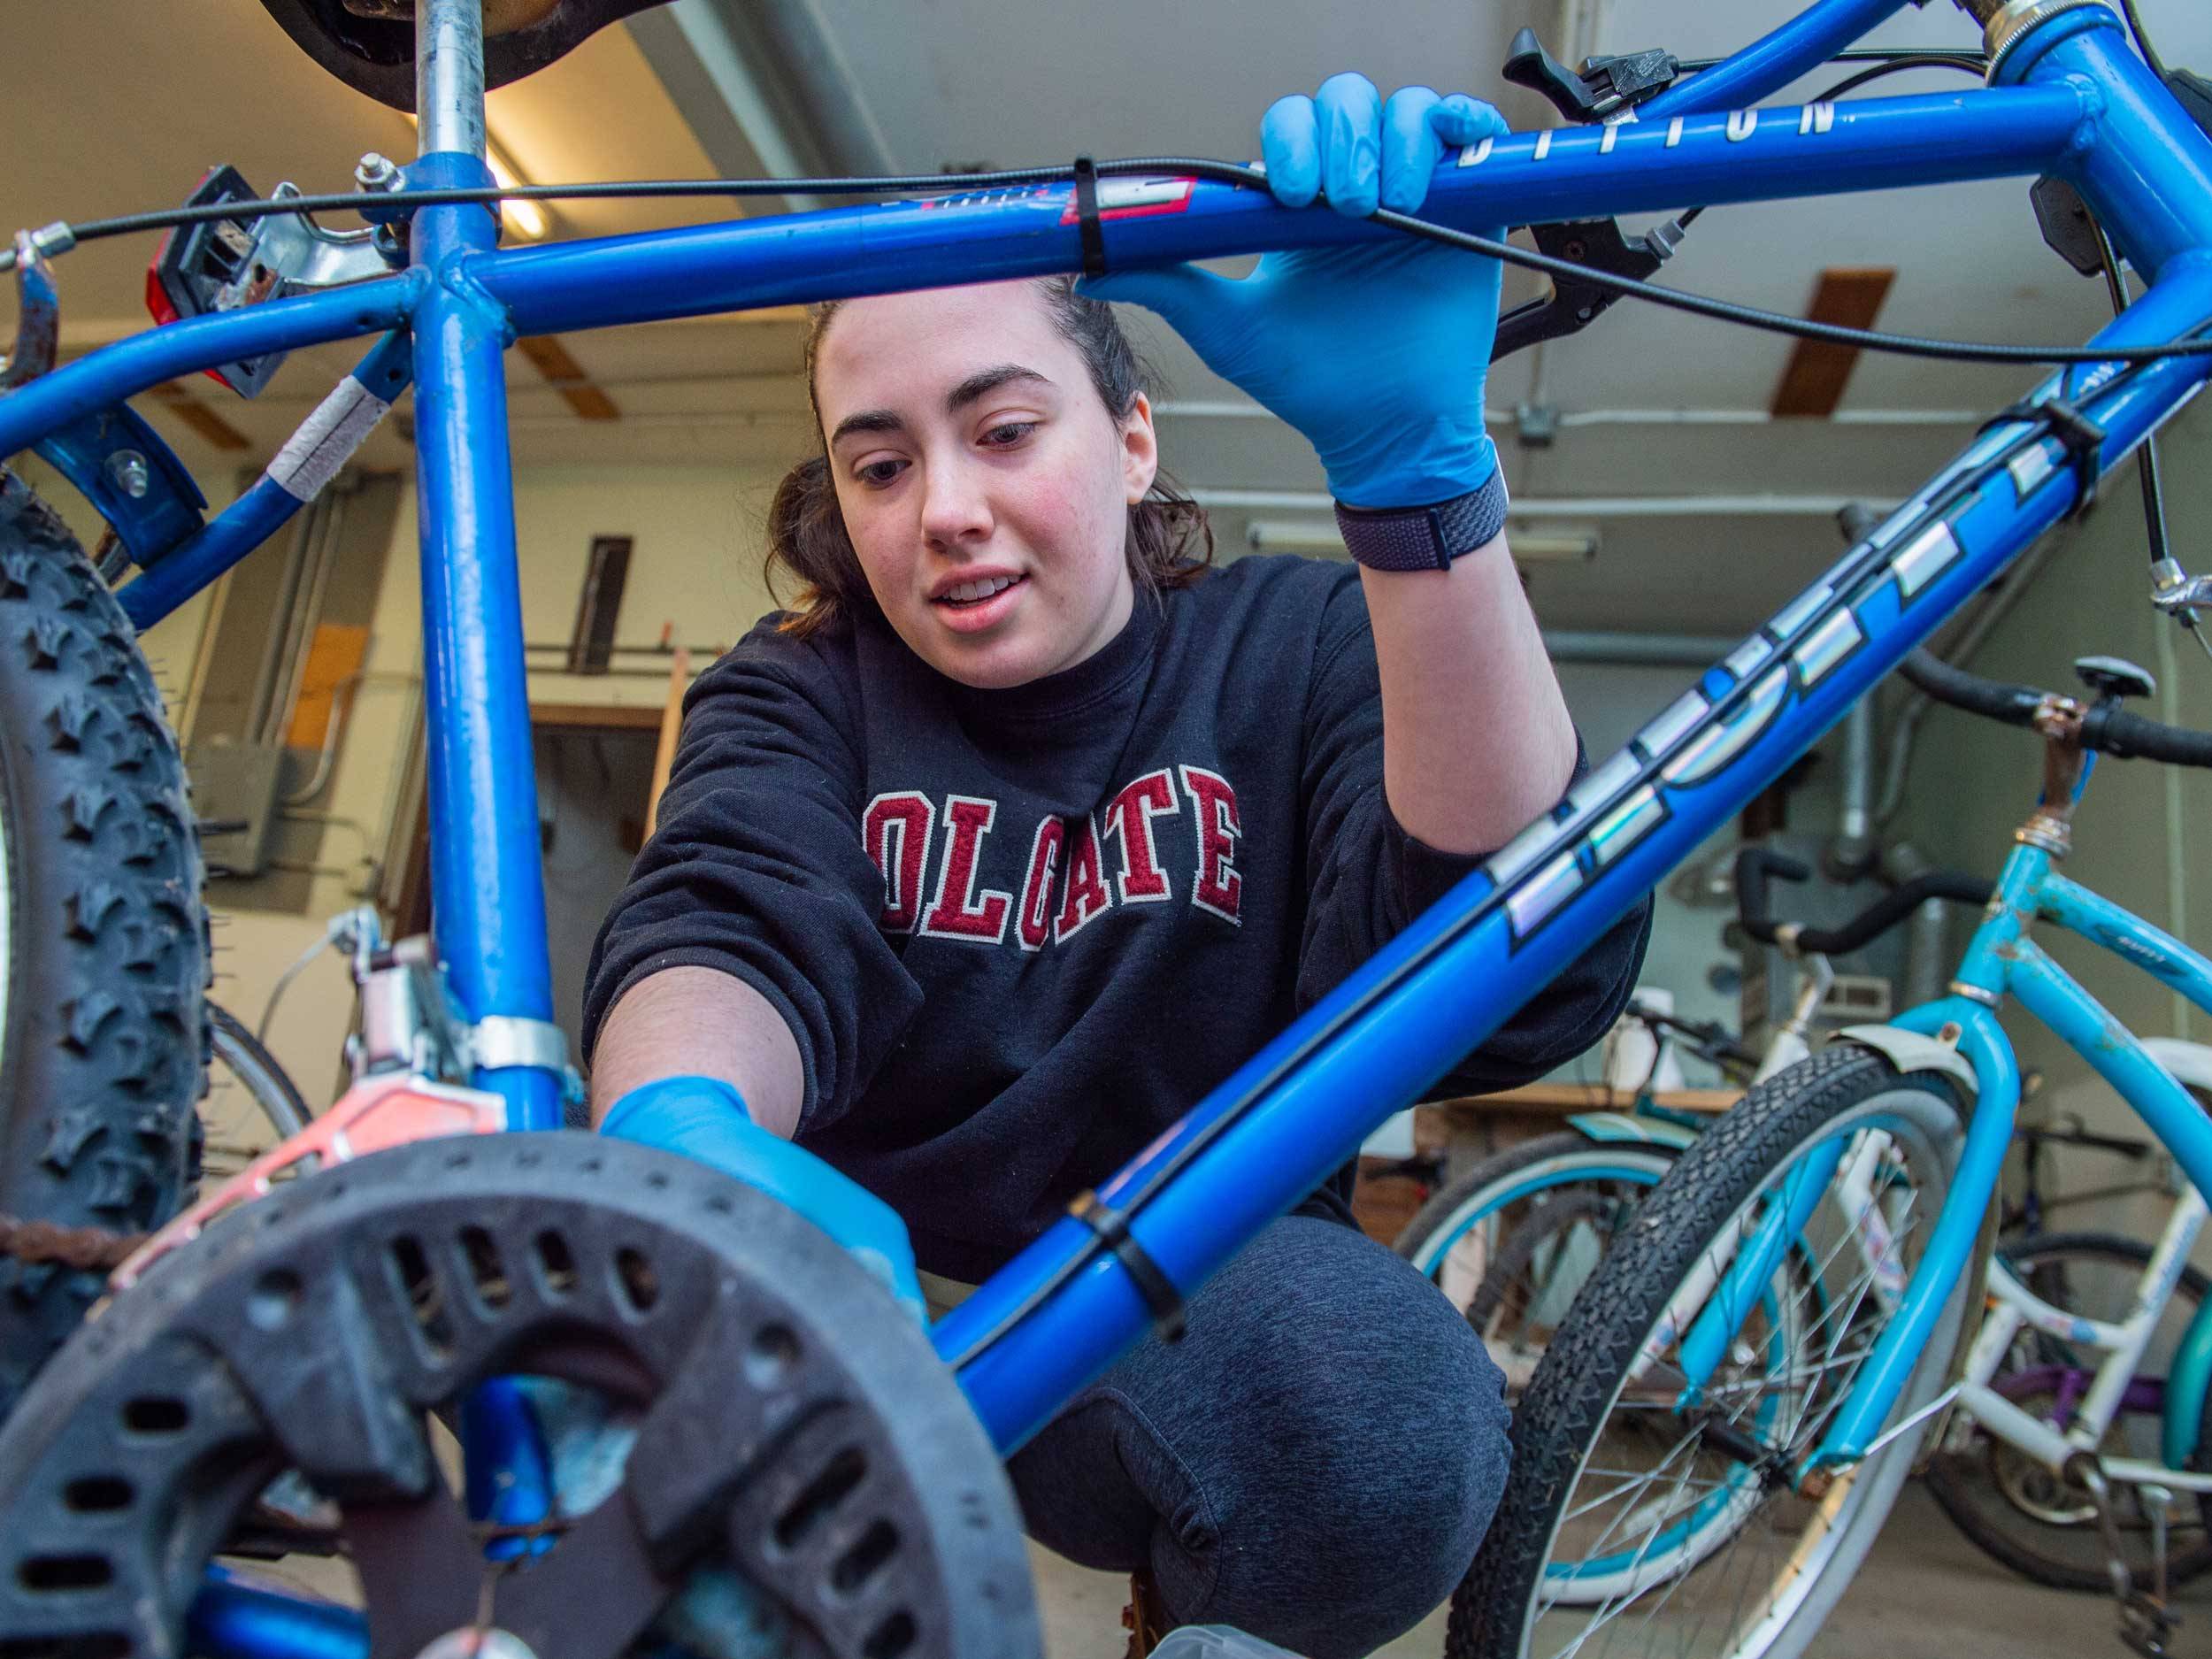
column 2146, row 1622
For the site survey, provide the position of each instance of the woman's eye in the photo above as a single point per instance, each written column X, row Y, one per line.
column 1006, row 434
column 880, row 472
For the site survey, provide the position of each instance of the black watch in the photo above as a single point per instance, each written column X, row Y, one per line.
column 1424, row 538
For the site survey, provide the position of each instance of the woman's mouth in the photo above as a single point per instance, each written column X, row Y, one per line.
column 976, row 605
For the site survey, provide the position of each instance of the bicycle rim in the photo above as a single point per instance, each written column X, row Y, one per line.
column 1514, row 1252
column 1664, row 1544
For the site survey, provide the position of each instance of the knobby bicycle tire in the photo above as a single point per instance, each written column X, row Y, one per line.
column 1571, row 1398
column 102, row 1028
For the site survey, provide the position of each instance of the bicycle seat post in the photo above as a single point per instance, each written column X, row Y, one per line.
column 450, row 76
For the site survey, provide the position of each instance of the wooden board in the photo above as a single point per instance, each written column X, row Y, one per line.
column 1818, row 371
column 333, row 658
column 1574, row 1097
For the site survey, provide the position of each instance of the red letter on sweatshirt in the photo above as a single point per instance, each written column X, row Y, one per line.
column 1087, row 890
column 1129, row 819
column 955, row 913
column 1035, row 925
column 1218, row 886
column 895, row 831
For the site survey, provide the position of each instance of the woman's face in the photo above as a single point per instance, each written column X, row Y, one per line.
column 985, row 486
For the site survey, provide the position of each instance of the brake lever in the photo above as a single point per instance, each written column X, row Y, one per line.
column 1573, row 304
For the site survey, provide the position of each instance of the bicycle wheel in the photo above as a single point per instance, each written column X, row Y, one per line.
column 250, row 1103
column 103, row 941
column 2034, row 1522
column 1663, row 1516
column 1511, row 1240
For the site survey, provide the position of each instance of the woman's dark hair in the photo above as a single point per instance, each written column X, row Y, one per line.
column 1170, row 542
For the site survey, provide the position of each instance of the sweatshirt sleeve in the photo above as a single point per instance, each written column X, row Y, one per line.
column 757, row 868
column 1370, row 877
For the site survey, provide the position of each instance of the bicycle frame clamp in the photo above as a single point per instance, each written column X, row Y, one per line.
column 1087, row 217
column 2082, row 438
column 1169, row 1310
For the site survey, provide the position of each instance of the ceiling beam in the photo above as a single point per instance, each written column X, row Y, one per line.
column 566, row 376
column 1818, row 371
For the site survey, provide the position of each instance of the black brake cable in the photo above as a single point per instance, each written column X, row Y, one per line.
column 1224, row 171
column 2147, row 458
column 2142, row 38
column 1898, row 65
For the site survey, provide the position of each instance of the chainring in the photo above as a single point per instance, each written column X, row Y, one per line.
column 797, row 1427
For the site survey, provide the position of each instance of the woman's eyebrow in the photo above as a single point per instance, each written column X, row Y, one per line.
column 979, row 385
column 985, row 381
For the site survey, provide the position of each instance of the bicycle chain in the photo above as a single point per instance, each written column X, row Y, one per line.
column 85, row 1249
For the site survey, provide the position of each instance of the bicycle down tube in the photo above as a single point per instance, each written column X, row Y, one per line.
column 2088, row 111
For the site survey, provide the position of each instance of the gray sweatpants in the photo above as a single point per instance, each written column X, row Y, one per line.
column 1314, row 1462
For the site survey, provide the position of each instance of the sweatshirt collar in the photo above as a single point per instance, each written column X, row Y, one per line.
column 1092, row 680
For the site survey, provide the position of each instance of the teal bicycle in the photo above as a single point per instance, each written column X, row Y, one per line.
column 1511, row 1239
column 1722, row 1421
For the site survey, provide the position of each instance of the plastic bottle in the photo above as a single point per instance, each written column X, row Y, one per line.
column 1217, row 1642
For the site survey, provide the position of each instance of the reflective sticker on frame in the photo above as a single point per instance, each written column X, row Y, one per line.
column 1748, row 656
column 2029, row 469
column 1833, row 641
column 1659, row 736
column 1525, row 849
column 1617, row 774
column 1801, row 610
column 1928, row 555
column 1626, row 824
column 1545, row 892
column 1716, row 747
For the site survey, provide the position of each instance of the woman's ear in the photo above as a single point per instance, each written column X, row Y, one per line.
column 1140, row 451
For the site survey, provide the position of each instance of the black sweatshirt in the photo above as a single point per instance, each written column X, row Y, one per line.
column 1018, row 932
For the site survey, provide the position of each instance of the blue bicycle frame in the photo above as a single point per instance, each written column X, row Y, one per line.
column 2072, row 100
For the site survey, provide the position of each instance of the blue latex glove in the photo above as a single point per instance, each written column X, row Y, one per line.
column 1376, row 353
column 704, row 1118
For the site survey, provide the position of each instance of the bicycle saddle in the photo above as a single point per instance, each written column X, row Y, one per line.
column 2114, row 677
column 370, row 45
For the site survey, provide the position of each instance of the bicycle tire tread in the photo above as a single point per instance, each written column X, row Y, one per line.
column 105, row 1039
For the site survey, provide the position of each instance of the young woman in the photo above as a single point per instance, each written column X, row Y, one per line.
column 1029, row 826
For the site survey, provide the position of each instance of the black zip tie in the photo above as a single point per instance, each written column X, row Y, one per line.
column 1159, row 1292
column 2082, row 437
column 1087, row 217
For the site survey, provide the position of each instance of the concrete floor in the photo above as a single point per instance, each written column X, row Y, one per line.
column 1925, row 1592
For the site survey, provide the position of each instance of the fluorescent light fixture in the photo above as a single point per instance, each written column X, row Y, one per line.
column 526, row 217
column 1531, row 544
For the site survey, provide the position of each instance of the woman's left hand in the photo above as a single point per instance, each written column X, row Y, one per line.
column 1375, row 352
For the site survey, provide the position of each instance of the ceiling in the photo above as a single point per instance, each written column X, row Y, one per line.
column 130, row 108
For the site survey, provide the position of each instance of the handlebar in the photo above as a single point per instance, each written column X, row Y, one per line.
column 1755, row 866
column 2105, row 726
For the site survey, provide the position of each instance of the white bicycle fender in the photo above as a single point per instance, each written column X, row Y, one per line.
column 1910, row 1051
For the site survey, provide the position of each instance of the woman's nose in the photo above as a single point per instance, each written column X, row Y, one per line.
column 955, row 506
